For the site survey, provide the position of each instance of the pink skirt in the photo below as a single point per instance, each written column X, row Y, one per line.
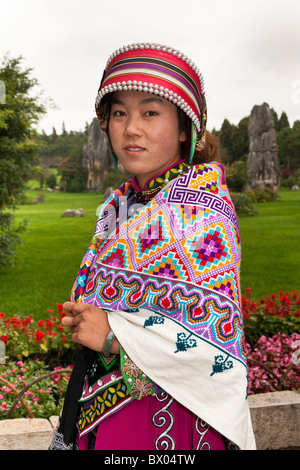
column 152, row 423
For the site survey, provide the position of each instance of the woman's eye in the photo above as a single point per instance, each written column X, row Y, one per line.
column 118, row 113
column 151, row 113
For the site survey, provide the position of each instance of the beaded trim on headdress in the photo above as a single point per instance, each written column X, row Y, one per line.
column 157, row 69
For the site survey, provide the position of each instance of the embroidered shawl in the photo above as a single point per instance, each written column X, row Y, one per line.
column 169, row 278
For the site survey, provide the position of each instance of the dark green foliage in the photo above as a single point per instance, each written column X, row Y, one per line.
column 114, row 180
column 65, row 152
column 293, row 179
column 19, row 144
column 288, row 140
column 51, row 181
column 236, row 176
column 263, row 195
column 234, row 140
column 243, row 204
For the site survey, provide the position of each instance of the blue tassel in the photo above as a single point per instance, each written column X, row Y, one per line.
column 194, row 136
column 115, row 160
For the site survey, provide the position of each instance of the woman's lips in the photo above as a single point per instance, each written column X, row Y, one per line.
column 134, row 149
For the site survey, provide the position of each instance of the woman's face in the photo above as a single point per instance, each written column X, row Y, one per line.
column 144, row 133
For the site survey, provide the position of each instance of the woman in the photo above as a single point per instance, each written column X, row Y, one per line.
column 156, row 303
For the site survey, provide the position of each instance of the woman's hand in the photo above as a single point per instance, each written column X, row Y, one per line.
column 89, row 326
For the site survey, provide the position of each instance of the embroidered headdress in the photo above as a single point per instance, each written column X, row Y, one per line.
column 163, row 71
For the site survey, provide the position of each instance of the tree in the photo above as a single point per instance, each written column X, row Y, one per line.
column 73, row 175
column 283, row 121
column 296, row 127
column 234, row 140
column 225, row 139
column 240, row 139
column 19, row 146
column 276, row 121
column 40, row 174
column 289, row 148
column 51, row 181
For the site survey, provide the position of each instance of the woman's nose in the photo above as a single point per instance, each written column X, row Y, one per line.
column 133, row 126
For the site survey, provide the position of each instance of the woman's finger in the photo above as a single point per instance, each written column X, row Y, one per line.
column 69, row 306
column 74, row 308
column 67, row 321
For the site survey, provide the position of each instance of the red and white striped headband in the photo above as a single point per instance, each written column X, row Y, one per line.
column 157, row 69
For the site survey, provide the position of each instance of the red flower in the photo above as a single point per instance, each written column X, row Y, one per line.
column 248, row 292
column 4, row 338
column 49, row 325
column 39, row 336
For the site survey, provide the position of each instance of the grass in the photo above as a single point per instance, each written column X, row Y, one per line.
column 53, row 248
column 270, row 246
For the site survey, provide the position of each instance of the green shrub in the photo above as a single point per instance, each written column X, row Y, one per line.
column 291, row 180
column 51, row 181
column 114, row 180
column 236, row 176
column 243, row 204
column 263, row 195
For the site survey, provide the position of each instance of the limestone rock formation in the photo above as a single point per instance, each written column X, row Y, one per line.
column 97, row 157
column 74, row 213
column 263, row 162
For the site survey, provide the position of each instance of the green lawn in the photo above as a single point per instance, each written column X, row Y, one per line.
column 51, row 253
column 270, row 246
column 53, row 247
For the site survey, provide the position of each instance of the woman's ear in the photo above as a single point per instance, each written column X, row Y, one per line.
column 182, row 136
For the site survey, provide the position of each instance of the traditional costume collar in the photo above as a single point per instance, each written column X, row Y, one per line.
column 155, row 184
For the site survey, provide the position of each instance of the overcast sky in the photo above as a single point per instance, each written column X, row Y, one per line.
column 247, row 50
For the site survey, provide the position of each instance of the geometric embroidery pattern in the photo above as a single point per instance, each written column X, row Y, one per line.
column 186, row 216
column 224, row 283
column 168, row 265
column 209, row 250
column 202, row 313
column 101, row 405
column 117, row 255
column 178, row 256
column 151, row 237
column 180, row 194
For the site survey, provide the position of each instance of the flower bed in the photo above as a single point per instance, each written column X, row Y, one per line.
column 273, row 364
column 33, row 350
column 42, row 348
column 25, row 337
column 42, row 399
column 272, row 314
column 271, row 328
